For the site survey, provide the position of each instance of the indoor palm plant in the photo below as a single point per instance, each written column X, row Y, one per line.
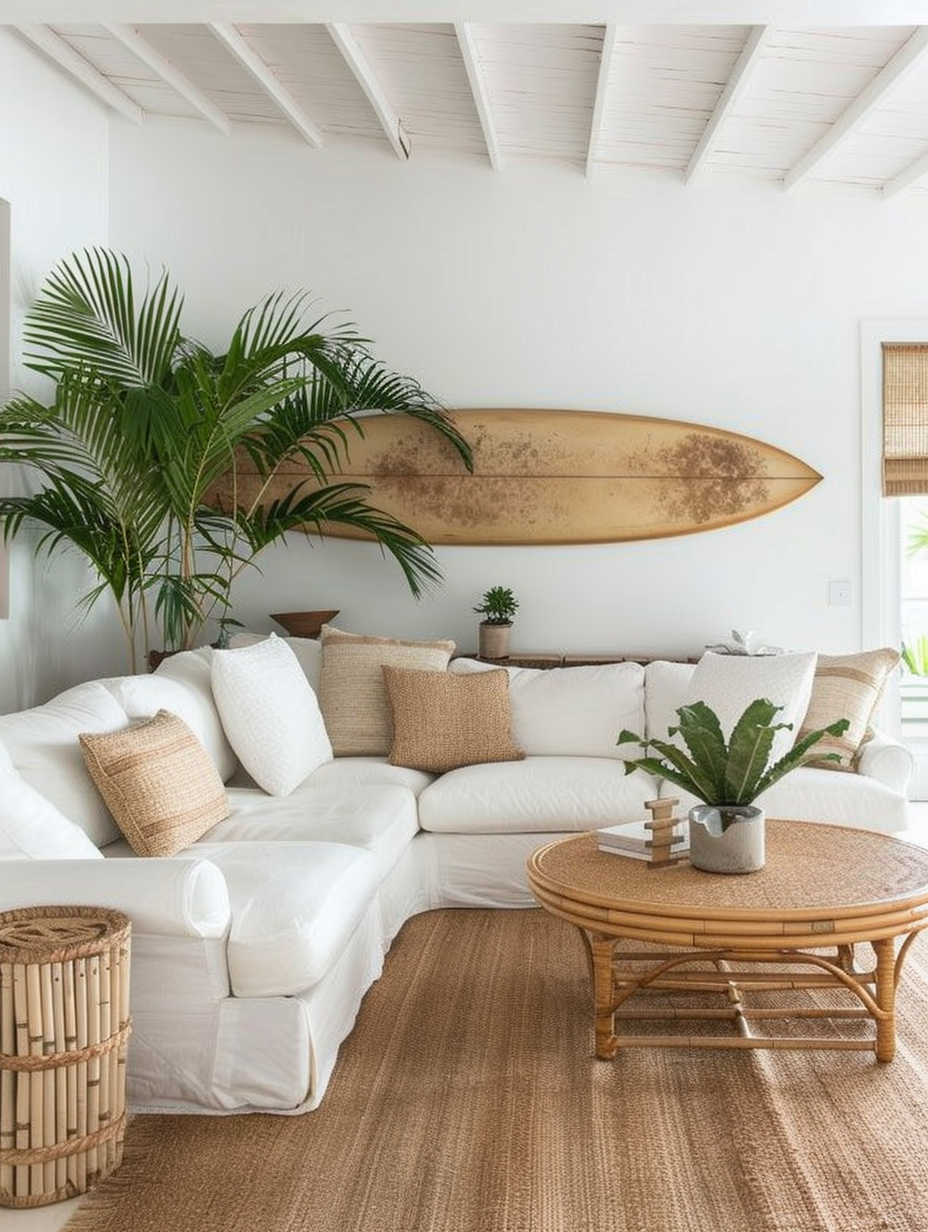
column 145, row 422
column 727, row 777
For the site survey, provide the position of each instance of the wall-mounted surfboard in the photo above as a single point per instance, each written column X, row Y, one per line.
column 547, row 477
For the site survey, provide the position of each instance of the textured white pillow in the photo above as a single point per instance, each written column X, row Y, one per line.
column 308, row 651
column 31, row 828
column 42, row 744
column 571, row 711
column 270, row 714
column 729, row 683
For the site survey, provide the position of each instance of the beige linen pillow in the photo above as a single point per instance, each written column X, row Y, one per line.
column 442, row 721
column 158, row 782
column 846, row 687
column 353, row 694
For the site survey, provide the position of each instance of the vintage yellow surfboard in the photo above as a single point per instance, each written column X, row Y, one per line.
column 560, row 476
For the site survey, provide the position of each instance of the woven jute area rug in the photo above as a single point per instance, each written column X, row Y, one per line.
column 467, row 1100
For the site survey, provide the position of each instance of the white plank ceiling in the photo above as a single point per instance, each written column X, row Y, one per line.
column 785, row 103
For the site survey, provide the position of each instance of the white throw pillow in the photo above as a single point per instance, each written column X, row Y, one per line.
column 308, row 651
column 571, row 711
column 31, row 828
column 729, row 683
column 42, row 744
column 270, row 714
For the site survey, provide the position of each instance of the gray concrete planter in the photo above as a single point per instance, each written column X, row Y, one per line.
column 737, row 848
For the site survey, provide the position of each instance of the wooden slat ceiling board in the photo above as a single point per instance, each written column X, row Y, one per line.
column 805, row 80
column 200, row 56
column 664, row 82
column 308, row 64
column 118, row 65
column 421, row 69
column 542, row 85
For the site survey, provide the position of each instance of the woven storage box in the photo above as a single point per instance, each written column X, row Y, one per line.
column 64, row 1023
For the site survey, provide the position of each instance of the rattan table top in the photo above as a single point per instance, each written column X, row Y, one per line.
column 810, row 868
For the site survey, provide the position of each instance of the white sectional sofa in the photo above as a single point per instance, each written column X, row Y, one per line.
column 253, row 946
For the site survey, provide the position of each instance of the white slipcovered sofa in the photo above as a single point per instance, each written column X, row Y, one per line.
column 253, row 946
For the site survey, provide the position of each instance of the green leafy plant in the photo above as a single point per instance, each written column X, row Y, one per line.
column 498, row 606
column 727, row 775
column 147, row 425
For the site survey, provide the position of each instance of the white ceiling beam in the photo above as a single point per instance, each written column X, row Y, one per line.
column 367, row 79
column 67, row 58
column 170, row 75
column 907, row 177
column 734, row 88
column 249, row 59
column 599, row 105
column 478, row 87
column 886, row 80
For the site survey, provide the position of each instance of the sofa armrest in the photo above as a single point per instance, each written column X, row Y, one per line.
column 184, row 897
column 887, row 760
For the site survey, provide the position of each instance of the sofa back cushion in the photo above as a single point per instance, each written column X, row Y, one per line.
column 571, row 711
column 191, row 668
column 43, row 746
column 665, row 686
column 353, row 692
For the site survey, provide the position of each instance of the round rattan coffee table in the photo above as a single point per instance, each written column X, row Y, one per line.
column 790, row 928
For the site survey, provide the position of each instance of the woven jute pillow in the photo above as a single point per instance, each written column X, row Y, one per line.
column 846, row 687
column 353, row 695
column 442, row 721
column 158, row 782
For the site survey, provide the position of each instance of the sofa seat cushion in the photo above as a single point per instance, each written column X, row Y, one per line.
column 369, row 772
column 811, row 793
column 381, row 820
column 571, row 711
column 294, row 909
column 548, row 794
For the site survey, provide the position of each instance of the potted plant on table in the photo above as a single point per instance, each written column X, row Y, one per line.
column 498, row 607
column 727, row 829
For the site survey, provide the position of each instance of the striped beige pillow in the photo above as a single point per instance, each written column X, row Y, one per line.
column 158, row 782
column 846, row 687
column 352, row 693
column 442, row 721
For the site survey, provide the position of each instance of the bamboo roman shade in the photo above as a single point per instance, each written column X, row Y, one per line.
column 905, row 418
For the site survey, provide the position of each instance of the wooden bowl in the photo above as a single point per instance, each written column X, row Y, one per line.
column 303, row 624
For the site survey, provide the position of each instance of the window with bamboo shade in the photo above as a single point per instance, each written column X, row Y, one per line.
column 905, row 418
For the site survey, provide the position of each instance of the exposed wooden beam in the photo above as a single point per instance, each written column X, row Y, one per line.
column 734, row 88
column 907, row 177
column 602, row 85
column 249, row 59
column 172, row 76
column 886, row 80
column 67, row 58
column 478, row 87
column 359, row 64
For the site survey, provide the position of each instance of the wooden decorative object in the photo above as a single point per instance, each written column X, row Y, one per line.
column 664, row 833
column 304, row 624
column 64, row 1023
column 555, row 476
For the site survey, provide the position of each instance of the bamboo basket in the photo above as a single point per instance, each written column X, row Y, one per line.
column 64, row 1024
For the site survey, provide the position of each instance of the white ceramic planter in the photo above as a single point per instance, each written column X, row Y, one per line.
column 739, row 848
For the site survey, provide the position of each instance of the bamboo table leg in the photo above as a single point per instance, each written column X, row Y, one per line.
column 607, row 1043
column 885, row 996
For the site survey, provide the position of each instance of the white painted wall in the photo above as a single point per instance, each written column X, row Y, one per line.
column 737, row 306
column 54, row 173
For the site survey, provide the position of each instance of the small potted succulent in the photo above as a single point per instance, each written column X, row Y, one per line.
column 497, row 607
column 727, row 830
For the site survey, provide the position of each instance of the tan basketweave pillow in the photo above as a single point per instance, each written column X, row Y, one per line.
column 442, row 721
column 158, row 782
column 353, row 694
column 846, row 687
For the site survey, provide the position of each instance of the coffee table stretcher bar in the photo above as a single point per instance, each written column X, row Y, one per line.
column 701, row 917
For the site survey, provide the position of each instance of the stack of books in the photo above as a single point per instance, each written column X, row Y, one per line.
column 636, row 840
